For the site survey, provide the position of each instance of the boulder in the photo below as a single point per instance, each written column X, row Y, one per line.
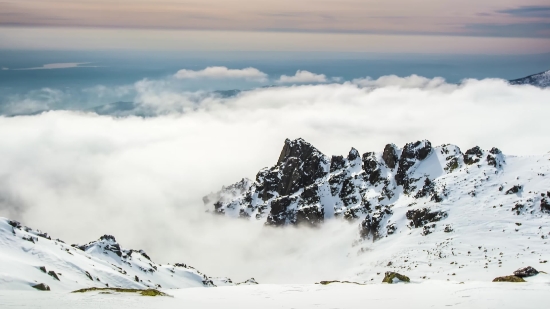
column 393, row 277
column 509, row 279
column 54, row 275
column 526, row 272
column 41, row 287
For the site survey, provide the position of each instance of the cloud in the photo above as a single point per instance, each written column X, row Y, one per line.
column 78, row 175
column 528, row 11
column 302, row 77
column 54, row 66
column 251, row 74
column 413, row 81
column 523, row 29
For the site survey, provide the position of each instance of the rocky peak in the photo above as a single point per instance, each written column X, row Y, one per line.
column 412, row 153
column 107, row 238
column 297, row 148
column 390, row 156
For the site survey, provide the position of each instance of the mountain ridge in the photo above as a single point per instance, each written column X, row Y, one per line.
column 29, row 257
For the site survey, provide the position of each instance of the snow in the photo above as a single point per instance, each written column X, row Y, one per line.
column 426, row 295
column 97, row 264
column 539, row 80
column 485, row 232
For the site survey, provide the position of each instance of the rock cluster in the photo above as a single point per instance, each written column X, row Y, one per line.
column 306, row 187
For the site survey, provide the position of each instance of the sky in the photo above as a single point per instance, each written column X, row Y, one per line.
column 437, row 26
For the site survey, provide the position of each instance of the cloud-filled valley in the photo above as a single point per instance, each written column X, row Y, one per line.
column 79, row 175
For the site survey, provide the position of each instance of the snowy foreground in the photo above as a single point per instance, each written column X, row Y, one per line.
column 425, row 295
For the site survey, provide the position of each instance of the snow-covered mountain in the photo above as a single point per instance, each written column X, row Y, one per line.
column 429, row 211
column 539, row 80
column 29, row 257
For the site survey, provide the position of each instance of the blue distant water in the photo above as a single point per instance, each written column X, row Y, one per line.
column 117, row 68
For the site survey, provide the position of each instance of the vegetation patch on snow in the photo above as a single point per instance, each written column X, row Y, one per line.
column 147, row 292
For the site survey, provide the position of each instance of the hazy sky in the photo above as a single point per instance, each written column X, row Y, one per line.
column 507, row 19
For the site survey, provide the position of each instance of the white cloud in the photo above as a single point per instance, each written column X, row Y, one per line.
column 53, row 66
column 413, row 81
column 251, row 74
column 79, row 176
column 302, row 77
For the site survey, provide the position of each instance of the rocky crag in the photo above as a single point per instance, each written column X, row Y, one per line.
column 413, row 187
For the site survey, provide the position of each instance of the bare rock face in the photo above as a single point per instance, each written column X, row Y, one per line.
column 412, row 154
column 545, row 204
column 41, row 287
column 473, row 155
column 305, row 187
column 526, row 272
column 390, row 156
column 421, row 217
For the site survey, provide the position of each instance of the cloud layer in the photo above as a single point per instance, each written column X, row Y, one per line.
column 223, row 72
column 79, row 175
column 302, row 77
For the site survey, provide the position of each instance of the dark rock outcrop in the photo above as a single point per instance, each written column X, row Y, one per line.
column 514, row 190
column 526, row 272
column 423, row 216
column 42, row 287
column 390, row 156
column 411, row 154
column 54, row 275
column 545, row 205
column 473, row 155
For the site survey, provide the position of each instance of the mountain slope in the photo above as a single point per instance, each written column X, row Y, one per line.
column 539, row 80
column 29, row 257
column 429, row 211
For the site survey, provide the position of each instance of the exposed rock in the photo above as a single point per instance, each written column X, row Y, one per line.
column 89, row 276
column 43, row 269
column 14, row 224
column 337, row 163
column 393, row 277
column 411, row 154
column 390, row 156
column 494, row 158
column 420, row 217
column 526, row 272
column 250, row 281
column 371, row 166
column 473, row 155
column 514, row 190
column 42, row 287
column 509, row 279
column 545, row 205
column 54, row 275
column 371, row 225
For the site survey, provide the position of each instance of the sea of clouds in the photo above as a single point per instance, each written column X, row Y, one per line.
column 78, row 175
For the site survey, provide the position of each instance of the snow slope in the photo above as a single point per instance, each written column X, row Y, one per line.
column 349, row 296
column 428, row 212
column 539, row 80
column 29, row 257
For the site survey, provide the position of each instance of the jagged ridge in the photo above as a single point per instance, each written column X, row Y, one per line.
column 29, row 257
column 308, row 187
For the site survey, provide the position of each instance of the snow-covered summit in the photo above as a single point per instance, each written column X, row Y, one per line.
column 29, row 257
column 539, row 80
column 430, row 212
